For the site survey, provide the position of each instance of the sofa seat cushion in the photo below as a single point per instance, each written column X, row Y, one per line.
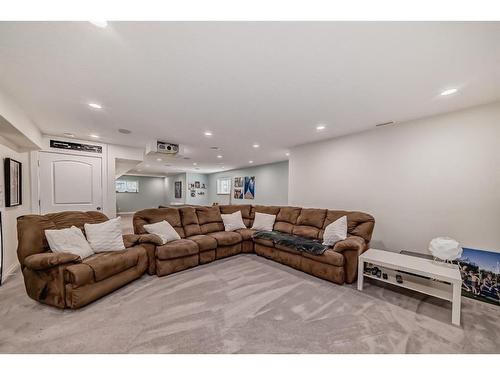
column 329, row 257
column 246, row 233
column 263, row 241
column 226, row 238
column 204, row 242
column 177, row 249
column 107, row 264
column 288, row 249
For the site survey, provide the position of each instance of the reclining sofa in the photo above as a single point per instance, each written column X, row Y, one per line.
column 204, row 240
column 64, row 280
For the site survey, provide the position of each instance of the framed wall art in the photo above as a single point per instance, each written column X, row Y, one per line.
column 13, row 182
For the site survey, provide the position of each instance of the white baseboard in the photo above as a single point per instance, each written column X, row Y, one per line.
column 125, row 213
column 10, row 271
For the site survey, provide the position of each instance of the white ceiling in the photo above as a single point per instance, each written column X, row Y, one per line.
column 248, row 82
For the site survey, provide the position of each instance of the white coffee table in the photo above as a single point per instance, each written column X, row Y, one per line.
column 439, row 280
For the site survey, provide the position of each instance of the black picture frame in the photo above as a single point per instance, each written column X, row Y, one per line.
column 13, row 176
column 178, row 189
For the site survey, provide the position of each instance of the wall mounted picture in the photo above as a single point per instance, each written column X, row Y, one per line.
column 193, row 193
column 480, row 272
column 203, row 186
column 178, row 189
column 191, row 185
column 197, row 184
column 238, row 182
column 238, row 194
column 13, row 182
column 249, row 187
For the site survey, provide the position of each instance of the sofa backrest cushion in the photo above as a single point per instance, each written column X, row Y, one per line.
column 155, row 215
column 246, row 212
column 358, row 223
column 286, row 219
column 209, row 219
column 310, row 222
column 31, row 229
column 190, row 221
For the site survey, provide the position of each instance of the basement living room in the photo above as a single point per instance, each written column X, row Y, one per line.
column 249, row 187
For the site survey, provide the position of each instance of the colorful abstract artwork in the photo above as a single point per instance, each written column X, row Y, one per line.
column 249, row 187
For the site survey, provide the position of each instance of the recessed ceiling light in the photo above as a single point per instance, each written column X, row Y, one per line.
column 250, row 161
column 195, row 163
column 215, row 148
column 208, row 133
column 159, row 159
column 101, row 24
column 449, row 92
column 287, row 154
column 124, row 131
column 255, row 145
column 71, row 135
column 94, row 135
column 320, row 127
column 95, row 105
column 219, row 156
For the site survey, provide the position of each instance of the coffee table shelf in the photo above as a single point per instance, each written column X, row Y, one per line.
column 421, row 275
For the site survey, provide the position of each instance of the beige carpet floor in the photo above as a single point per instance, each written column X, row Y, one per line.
column 245, row 304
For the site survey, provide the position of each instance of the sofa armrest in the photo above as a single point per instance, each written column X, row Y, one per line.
column 351, row 248
column 135, row 239
column 44, row 261
column 351, row 243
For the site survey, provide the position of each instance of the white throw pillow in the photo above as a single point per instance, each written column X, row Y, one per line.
column 105, row 236
column 233, row 221
column 164, row 230
column 68, row 240
column 263, row 221
column 335, row 232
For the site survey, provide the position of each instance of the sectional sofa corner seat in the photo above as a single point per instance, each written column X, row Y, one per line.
column 203, row 238
column 64, row 280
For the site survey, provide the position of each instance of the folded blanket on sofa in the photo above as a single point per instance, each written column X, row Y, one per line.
column 308, row 245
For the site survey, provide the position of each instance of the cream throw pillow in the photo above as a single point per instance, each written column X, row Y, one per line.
column 105, row 236
column 164, row 230
column 68, row 240
column 335, row 232
column 233, row 221
column 263, row 221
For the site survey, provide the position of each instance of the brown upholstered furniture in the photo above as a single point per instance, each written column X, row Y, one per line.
column 203, row 238
column 65, row 280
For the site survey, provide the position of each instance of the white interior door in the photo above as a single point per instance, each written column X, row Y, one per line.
column 69, row 183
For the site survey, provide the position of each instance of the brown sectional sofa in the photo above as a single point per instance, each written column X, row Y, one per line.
column 65, row 280
column 203, row 238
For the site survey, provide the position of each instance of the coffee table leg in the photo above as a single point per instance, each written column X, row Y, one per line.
column 456, row 304
column 361, row 265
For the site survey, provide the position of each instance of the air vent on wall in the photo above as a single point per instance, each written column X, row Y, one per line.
column 386, row 123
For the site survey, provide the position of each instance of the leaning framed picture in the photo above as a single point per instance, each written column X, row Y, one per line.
column 13, row 182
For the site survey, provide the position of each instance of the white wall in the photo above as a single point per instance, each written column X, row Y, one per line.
column 10, row 214
column 271, row 184
column 151, row 194
column 421, row 179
